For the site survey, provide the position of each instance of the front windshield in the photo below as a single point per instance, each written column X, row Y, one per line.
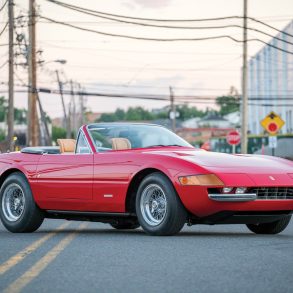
column 138, row 135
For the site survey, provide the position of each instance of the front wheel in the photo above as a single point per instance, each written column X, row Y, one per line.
column 19, row 212
column 270, row 228
column 158, row 208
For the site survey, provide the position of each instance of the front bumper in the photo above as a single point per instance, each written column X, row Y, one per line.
column 233, row 197
column 199, row 202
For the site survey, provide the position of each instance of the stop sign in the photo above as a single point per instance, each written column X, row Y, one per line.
column 233, row 137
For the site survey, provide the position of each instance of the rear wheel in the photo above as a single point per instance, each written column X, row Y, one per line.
column 158, row 208
column 19, row 212
column 270, row 228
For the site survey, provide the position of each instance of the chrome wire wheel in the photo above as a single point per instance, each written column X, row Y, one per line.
column 13, row 202
column 153, row 204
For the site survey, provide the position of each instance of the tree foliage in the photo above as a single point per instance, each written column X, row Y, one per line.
column 58, row 132
column 187, row 112
column 19, row 114
column 141, row 114
column 228, row 104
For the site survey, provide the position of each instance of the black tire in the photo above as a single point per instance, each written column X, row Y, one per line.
column 270, row 228
column 125, row 225
column 31, row 217
column 175, row 215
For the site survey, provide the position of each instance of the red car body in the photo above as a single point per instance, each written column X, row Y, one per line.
column 104, row 182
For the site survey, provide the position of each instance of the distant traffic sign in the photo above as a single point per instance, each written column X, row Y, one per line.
column 233, row 137
column 272, row 123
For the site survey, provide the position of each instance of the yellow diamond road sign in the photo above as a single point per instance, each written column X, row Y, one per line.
column 272, row 123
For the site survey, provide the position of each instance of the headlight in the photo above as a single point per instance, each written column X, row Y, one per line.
column 227, row 189
column 240, row 190
column 205, row 180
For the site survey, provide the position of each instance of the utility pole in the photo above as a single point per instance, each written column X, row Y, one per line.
column 47, row 137
column 244, row 127
column 10, row 118
column 81, row 105
column 73, row 113
column 32, row 119
column 65, row 118
column 173, row 109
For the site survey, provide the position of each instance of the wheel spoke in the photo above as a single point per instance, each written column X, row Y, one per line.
column 13, row 202
column 153, row 204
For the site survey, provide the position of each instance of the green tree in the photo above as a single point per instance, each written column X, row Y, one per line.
column 138, row 114
column 2, row 135
column 141, row 114
column 58, row 132
column 228, row 104
column 187, row 112
column 107, row 117
column 3, row 109
column 19, row 114
column 120, row 114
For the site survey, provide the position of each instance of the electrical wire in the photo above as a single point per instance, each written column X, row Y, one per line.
column 3, row 64
column 4, row 28
column 161, row 39
column 186, row 98
column 82, row 10
column 48, row 43
column 2, row 7
column 139, row 38
column 169, row 20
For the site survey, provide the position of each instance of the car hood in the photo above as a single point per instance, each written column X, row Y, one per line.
column 247, row 169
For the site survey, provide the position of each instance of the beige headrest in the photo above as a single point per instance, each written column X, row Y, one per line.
column 120, row 143
column 66, row 145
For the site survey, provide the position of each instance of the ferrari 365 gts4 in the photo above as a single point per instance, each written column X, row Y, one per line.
column 131, row 175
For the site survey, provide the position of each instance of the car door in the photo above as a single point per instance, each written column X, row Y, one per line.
column 112, row 173
column 64, row 177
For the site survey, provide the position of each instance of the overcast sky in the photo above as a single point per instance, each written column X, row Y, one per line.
column 109, row 64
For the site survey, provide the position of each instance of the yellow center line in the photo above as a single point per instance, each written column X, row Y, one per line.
column 14, row 260
column 40, row 265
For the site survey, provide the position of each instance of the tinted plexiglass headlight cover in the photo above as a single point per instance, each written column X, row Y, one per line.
column 201, row 180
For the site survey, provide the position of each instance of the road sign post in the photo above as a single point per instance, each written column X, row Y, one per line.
column 273, row 143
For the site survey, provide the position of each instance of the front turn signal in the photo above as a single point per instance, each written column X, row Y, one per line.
column 203, row 179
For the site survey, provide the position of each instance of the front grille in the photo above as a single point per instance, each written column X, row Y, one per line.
column 273, row 192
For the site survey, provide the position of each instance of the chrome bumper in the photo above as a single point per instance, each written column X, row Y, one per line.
column 233, row 197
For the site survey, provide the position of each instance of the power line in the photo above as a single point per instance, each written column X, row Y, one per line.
column 4, row 64
column 2, row 7
column 83, row 10
column 168, row 20
column 133, row 51
column 146, row 19
column 4, row 28
column 162, row 39
column 139, row 38
column 149, row 96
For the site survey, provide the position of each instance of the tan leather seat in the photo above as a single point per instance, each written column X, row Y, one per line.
column 120, row 143
column 66, row 145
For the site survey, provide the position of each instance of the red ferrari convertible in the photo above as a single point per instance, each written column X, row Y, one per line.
column 131, row 175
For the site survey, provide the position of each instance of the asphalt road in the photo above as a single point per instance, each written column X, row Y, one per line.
column 93, row 257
